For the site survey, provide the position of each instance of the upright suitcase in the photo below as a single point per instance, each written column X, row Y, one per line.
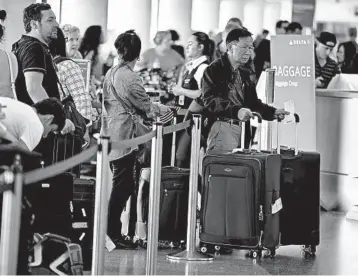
column 241, row 200
column 174, row 193
column 83, row 217
column 300, row 193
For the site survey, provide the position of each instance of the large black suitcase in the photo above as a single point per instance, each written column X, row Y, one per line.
column 174, row 193
column 300, row 193
column 241, row 201
column 83, row 217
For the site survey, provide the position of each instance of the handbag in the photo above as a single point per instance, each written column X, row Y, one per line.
column 141, row 127
column 72, row 113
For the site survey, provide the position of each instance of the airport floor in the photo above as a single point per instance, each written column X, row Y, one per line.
column 337, row 254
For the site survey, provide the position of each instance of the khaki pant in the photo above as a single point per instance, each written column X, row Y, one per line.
column 224, row 137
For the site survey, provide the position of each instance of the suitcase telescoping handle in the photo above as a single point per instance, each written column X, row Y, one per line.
column 242, row 144
column 297, row 120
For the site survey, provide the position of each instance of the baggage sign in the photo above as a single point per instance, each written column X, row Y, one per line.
column 85, row 66
column 293, row 58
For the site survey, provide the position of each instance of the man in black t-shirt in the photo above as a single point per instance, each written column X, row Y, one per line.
column 37, row 77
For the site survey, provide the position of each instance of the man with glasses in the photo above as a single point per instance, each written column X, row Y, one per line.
column 326, row 68
column 229, row 96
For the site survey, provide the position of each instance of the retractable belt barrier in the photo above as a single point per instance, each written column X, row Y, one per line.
column 13, row 179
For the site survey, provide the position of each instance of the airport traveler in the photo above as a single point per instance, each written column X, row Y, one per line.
column 281, row 26
column 352, row 33
column 162, row 56
column 219, row 38
column 37, row 78
column 33, row 122
column 230, row 96
column 7, row 70
column 199, row 51
column 347, row 58
column 262, row 58
column 126, row 105
column 89, row 49
column 294, row 28
column 260, row 37
column 72, row 35
column 70, row 77
column 326, row 68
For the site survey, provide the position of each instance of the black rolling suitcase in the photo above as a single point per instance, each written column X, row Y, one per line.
column 241, row 201
column 83, row 217
column 300, row 193
column 174, row 193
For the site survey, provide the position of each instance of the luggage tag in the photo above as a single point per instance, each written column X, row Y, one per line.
column 109, row 244
column 277, row 206
column 181, row 100
column 289, row 106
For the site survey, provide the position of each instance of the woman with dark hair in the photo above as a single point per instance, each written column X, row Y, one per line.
column 70, row 77
column 199, row 52
column 126, row 103
column 347, row 58
column 92, row 39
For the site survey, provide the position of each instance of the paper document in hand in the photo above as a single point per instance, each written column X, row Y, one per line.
column 289, row 106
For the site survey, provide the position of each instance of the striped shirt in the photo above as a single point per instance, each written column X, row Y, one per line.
column 327, row 72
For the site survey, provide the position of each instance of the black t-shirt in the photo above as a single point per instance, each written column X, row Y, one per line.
column 34, row 56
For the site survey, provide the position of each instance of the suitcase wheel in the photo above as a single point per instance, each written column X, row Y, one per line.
column 203, row 248
column 308, row 250
column 270, row 253
column 254, row 254
column 217, row 248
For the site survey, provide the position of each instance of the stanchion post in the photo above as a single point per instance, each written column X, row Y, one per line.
column 172, row 156
column 154, row 199
column 191, row 254
column 11, row 217
column 101, row 207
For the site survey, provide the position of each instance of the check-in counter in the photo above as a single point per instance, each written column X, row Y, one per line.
column 337, row 142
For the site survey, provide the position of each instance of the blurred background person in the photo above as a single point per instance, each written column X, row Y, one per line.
column 294, row 28
column 347, row 58
column 281, row 26
column 89, row 49
column 176, row 47
column 352, row 33
column 72, row 36
column 260, row 37
column 162, row 56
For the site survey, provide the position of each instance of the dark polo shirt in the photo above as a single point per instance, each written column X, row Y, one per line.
column 34, row 56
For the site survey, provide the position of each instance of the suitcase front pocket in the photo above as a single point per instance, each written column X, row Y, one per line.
column 230, row 206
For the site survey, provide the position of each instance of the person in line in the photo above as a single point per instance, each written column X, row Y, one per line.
column 260, row 37
column 325, row 67
column 5, row 76
column 89, row 49
column 72, row 35
column 199, row 51
column 281, row 26
column 347, row 58
column 352, row 33
column 34, row 122
column 124, row 100
column 162, row 56
column 229, row 96
column 70, row 77
column 294, row 28
column 37, row 78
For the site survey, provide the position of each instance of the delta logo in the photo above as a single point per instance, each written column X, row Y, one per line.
column 299, row 42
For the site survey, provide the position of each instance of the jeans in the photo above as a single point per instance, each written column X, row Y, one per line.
column 123, row 188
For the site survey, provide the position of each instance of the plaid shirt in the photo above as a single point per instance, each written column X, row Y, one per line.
column 70, row 76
